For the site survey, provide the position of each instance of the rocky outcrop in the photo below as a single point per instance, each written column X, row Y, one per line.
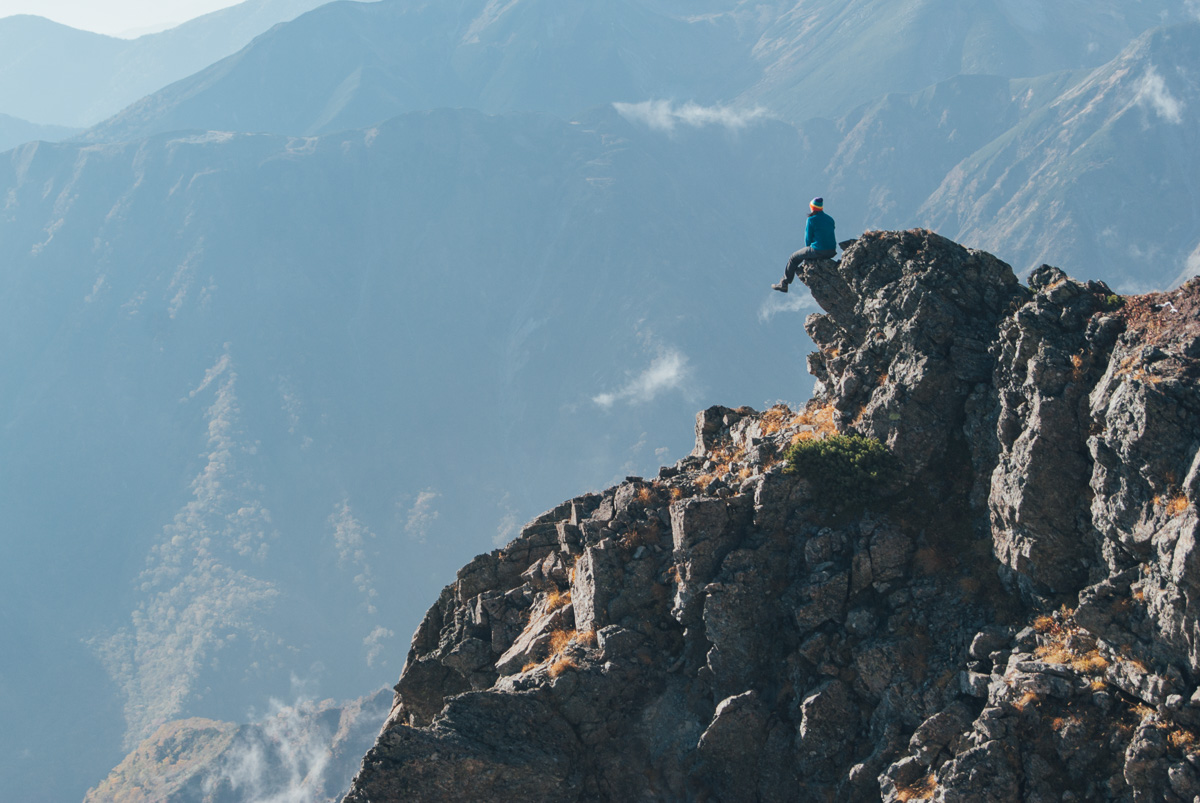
column 1012, row 617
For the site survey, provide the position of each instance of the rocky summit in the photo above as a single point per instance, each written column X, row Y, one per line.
column 1010, row 613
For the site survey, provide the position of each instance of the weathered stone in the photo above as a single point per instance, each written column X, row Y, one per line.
column 703, row 532
column 821, row 598
column 846, row 653
column 829, row 721
column 730, row 746
column 986, row 642
column 596, row 583
column 531, row 646
column 937, row 732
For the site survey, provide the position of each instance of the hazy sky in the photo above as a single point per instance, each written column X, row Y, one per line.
column 115, row 17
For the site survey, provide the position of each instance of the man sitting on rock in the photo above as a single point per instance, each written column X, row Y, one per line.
column 819, row 242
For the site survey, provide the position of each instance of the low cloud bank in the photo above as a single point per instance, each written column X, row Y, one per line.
column 662, row 115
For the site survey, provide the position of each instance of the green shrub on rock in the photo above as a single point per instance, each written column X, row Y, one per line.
column 848, row 469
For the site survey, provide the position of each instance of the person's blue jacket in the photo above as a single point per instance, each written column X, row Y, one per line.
column 818, row 232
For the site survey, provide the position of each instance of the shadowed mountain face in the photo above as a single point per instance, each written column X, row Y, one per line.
column 54, row 74
column 288, row 384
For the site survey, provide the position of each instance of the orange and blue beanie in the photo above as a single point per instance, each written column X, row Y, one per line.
column 817, row 204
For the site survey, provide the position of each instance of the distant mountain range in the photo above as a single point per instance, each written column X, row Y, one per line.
column 54, row 74
column 905, row 158
column 14, row 131
column 351, row 65
column 261, row 393
column 1102, row 176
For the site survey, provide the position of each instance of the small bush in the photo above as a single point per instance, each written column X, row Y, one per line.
column 844, row 468
column 1112, row 302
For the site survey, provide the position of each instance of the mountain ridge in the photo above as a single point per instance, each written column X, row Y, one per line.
column 54, row 74
column 1006, row 615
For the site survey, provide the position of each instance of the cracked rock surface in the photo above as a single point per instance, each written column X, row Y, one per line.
column 1013, row 617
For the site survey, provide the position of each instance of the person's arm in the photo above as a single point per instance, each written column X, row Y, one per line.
column 810, row 233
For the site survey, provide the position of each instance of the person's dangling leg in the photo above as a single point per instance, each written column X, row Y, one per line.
column 789, row 274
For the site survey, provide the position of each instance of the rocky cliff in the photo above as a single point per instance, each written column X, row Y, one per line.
column 1012, row 616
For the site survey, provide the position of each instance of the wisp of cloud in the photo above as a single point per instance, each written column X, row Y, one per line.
column 668, row 371
column 662, row 115
column 1152, row 90
column 776, row 303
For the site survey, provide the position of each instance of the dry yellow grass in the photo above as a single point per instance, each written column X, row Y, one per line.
column 1076, row 366
column 1090, row 664
column 801, row 437
column 858, row 419
column 1182, row 739
column 1027, row 699
column 918, row 790
column 676, row 494
column 823, row 420
column 645, row 495
column 778, row 418
column 562, row 664
column 1176, row 505
column 557, row 599
column 1044, row 624
column 1126, row 365
column 559, row 640
column 1054, row 654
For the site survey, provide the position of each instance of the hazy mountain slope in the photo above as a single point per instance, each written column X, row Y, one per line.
column 824, row 57
column 348, row 65
column 1103, row 176
column 287, row 385
column 885, row 158
column 51, row 73
column 14, row 131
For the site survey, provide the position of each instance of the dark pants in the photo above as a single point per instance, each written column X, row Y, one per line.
column 801, row 255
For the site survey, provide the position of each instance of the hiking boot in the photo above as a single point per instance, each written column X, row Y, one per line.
column 781, row 287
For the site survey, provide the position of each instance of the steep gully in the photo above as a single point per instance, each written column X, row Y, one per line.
column 1013, row 618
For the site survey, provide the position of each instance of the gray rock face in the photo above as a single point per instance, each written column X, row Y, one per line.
column 1015, row 618
column 1048, row 355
